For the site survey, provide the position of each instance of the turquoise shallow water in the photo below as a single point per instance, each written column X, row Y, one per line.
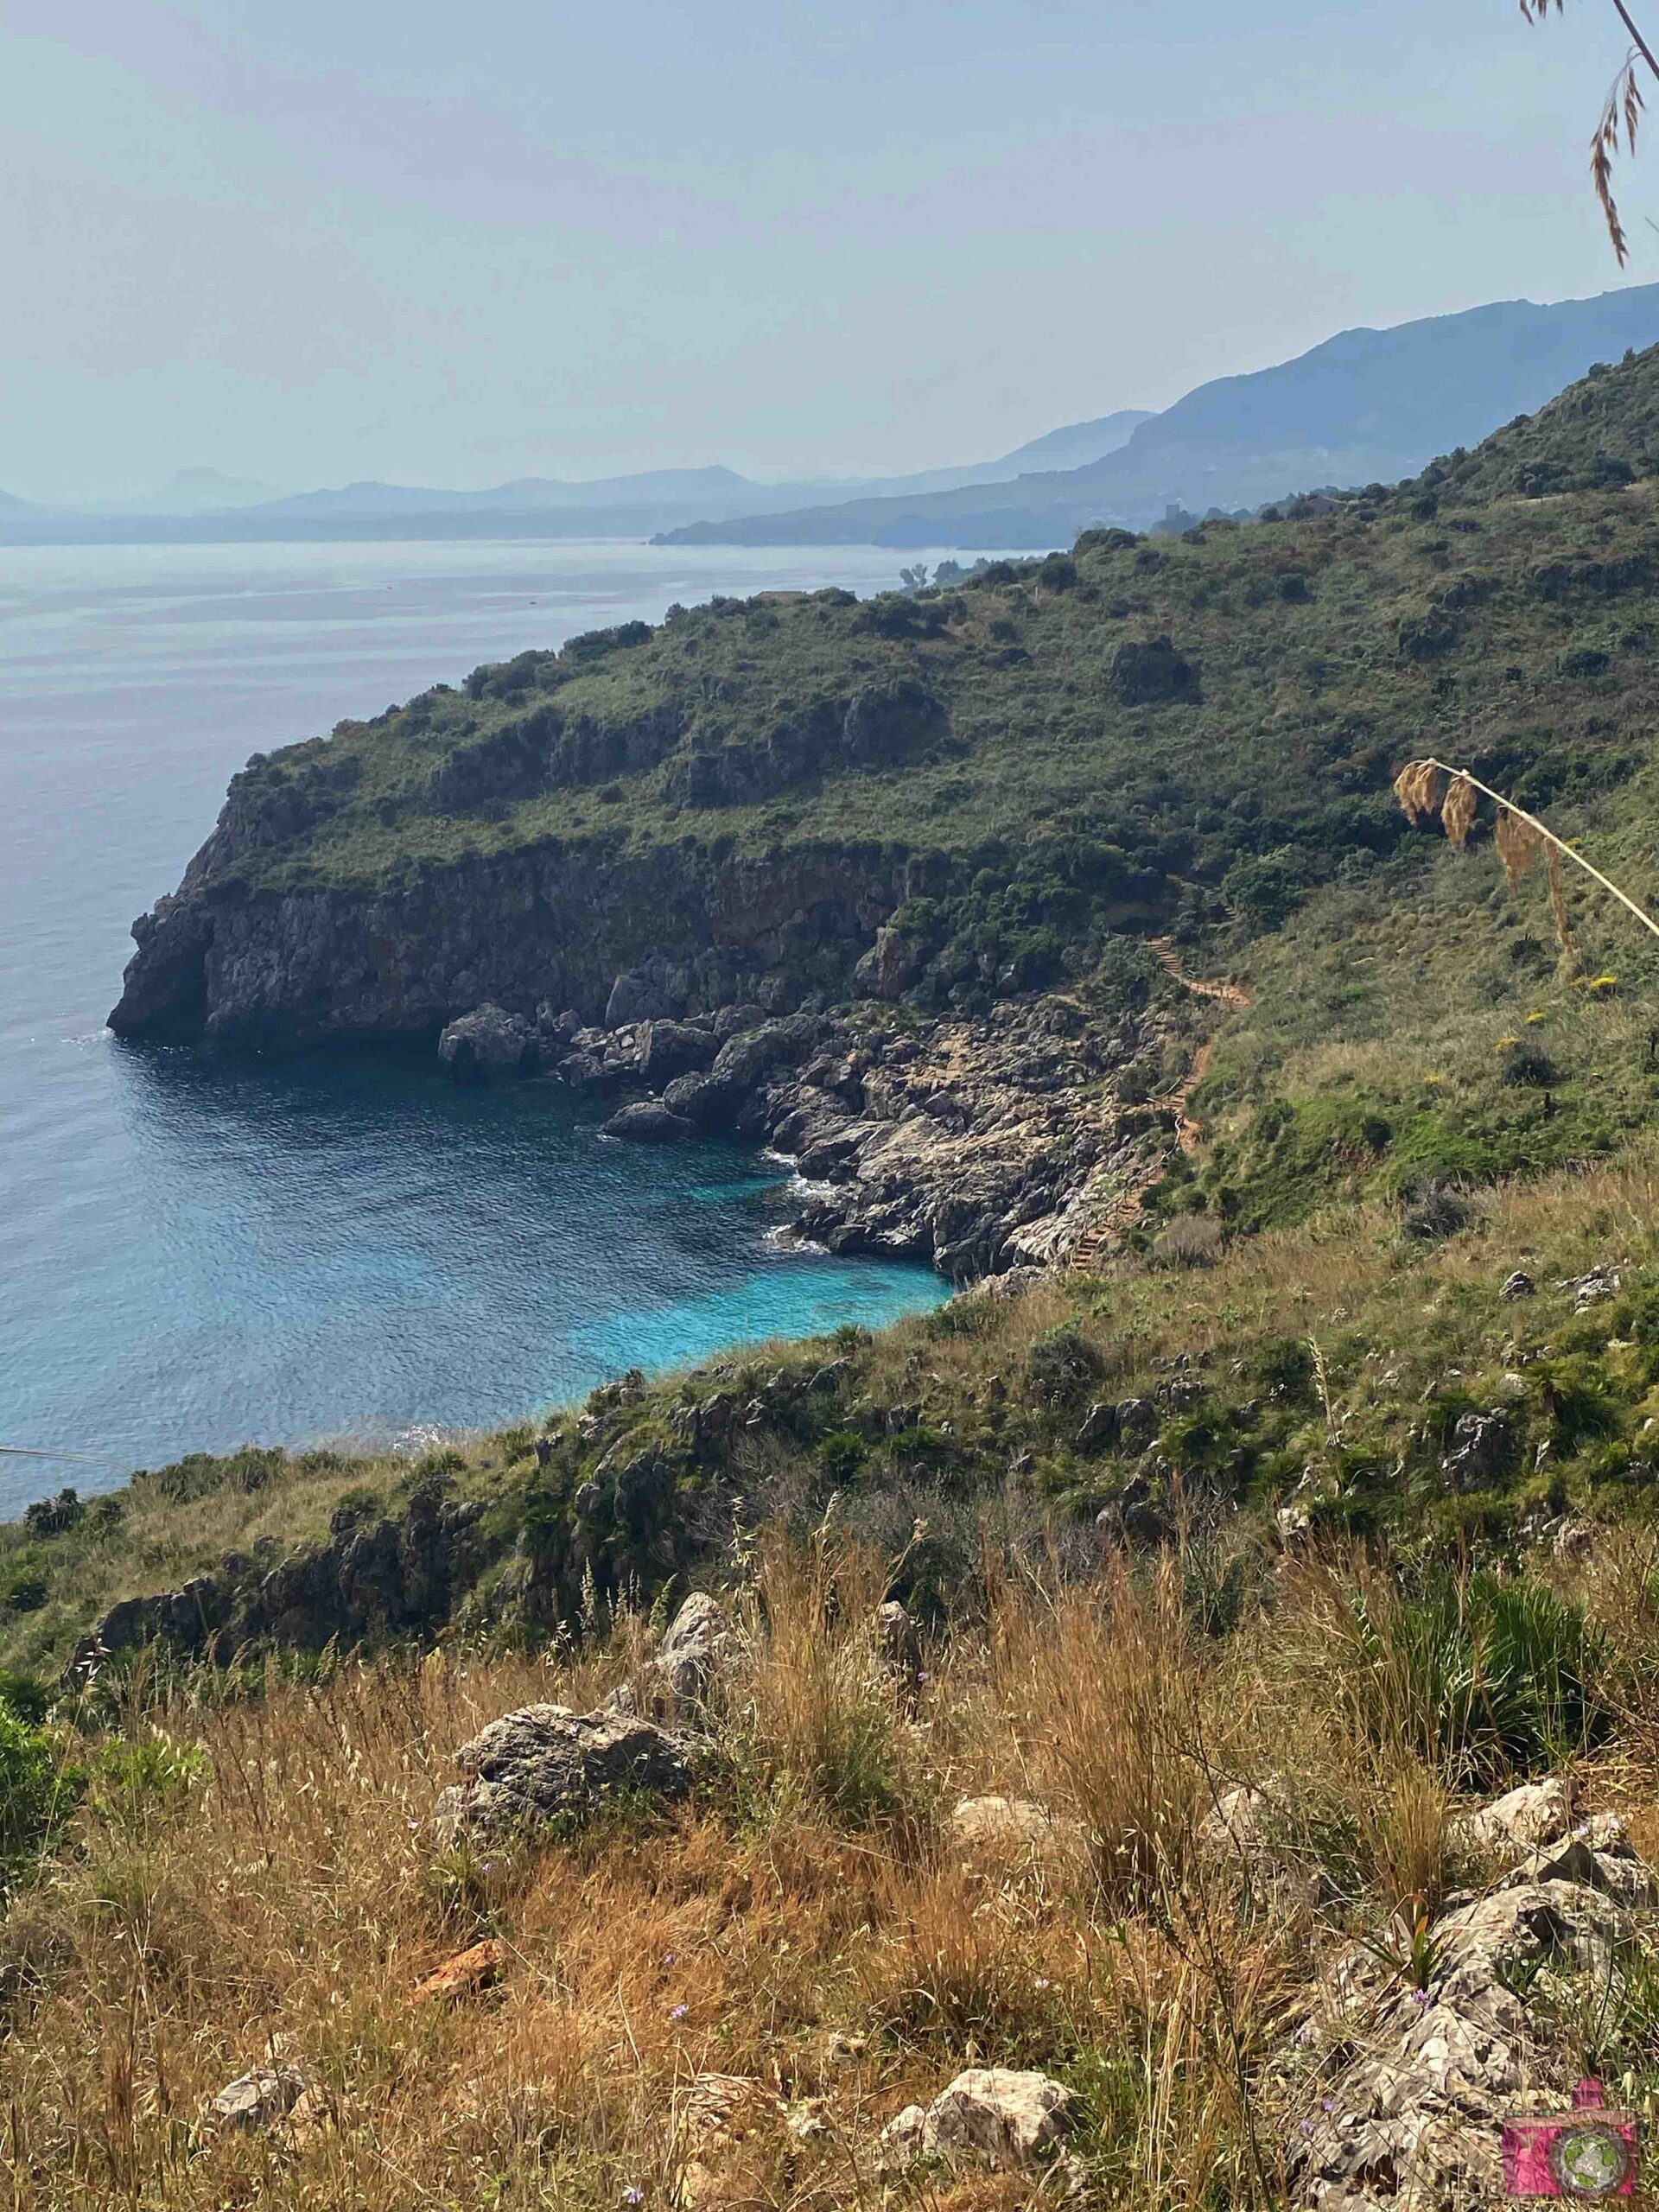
column 196, row 1252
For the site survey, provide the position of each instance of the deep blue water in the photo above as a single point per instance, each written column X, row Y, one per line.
column 198, row 1252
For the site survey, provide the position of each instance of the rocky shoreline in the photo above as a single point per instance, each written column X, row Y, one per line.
column 935, row 1107
column 979, row 1145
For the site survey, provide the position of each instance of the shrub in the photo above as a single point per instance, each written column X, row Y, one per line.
column 1526, row 1064
column 1433, row 1214
column 437, row 1465
column 1192, row 1240
column 1265, row 892
column 1061, row 1364
column 54, row 1516
column 26, row 1592
column 1480, row 1677
column 131, row 1783
column 38, row 1792
column 840, row 1455
column 29, row 1698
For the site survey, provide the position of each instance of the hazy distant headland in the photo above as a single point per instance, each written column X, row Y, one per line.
column 656, row 502
column 1365, row 406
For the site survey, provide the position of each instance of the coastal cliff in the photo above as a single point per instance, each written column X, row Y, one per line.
column 932, row 822
column 551, row 926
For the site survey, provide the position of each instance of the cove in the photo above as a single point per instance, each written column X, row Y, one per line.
column 195, row 1254
column 329, row 1248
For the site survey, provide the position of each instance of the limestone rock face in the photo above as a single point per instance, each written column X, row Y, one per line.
column 890, row 966
column 1480, row 1445
column 1234, row 1823
column 691, row 929
column 635, row 998
column 488, row 1041
column 545, row 1761
column 1537, row 1812
column 1415, row 2115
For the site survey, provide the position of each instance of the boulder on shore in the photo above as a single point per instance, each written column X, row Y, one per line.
column 487, row 1041
column 668, row 1049
column 647, row 1121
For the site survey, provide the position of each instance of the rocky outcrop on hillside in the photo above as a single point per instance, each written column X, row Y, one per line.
column 546, row 1763
column 1415, row 2079
column 371, row 1577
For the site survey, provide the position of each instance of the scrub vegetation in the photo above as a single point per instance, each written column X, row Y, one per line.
column 1335, row 1484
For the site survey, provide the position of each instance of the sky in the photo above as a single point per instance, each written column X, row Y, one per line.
column 332, row 239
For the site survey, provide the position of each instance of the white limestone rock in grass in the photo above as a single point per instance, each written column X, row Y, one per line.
column 998, row 2118
column 1537, row 1812
column 545, row 1762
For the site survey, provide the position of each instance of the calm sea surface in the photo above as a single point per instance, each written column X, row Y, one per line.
column 196, row 1252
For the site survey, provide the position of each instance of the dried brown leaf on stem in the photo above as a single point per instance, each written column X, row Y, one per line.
column 1418, row 787
column 1620, row 117
column 1517, row 831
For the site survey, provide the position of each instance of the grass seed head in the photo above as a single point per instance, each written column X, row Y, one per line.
column 1458, row 810
column 1517, row 844
column 1418, row 788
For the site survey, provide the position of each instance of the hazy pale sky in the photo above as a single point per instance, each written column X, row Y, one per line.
column 327, row 239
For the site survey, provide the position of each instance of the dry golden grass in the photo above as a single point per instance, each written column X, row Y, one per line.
column 808, row 1927
column 291, row 1900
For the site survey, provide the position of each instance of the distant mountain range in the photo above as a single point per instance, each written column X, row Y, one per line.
column 194, row 506
column 1367, row 406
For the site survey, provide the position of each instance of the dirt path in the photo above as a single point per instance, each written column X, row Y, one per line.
column 1106, row 1230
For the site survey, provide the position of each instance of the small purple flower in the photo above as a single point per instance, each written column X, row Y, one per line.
column 1307, row 2127
column 678, row 2011
column 633, row 2194
column 1327, row 2104
column 669, row 1957
column 1422, row 1998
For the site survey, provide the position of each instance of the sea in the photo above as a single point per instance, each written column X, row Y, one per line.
column 198, row 1251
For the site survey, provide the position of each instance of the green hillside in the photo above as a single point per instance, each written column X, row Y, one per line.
column 1085, row 1711
column 1221, row 716
column 1241, row 691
